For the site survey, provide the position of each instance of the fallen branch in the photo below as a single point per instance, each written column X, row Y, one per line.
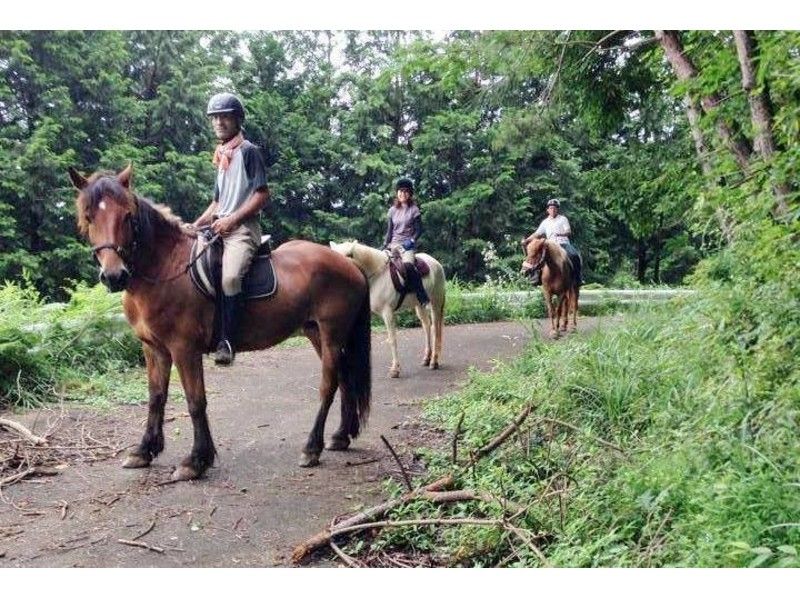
column 455, row 437
column 349, row 561
column 399, row 463
column 147, row 531
column 405, row 522
column 504, row 435
column 323, row 538
column 141, row 545
column 38, row 470
column 22, row 431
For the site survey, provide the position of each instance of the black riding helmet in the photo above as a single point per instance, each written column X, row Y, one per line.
column 405, row 183
column 223, row 103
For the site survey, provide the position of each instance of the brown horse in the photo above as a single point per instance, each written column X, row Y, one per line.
column 144, row 249
column 557, row 279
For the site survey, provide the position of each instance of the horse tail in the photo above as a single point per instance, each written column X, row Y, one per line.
column 355, row 371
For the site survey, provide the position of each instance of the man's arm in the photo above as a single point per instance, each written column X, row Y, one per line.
column 206, row 217
column 254, row 204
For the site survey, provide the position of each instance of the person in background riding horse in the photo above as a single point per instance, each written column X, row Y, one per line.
column 403, row 231
column 240, row 193
column 556, row 228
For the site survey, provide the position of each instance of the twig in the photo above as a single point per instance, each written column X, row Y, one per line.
column 140, row 545
column 147, row 531
column 503, row 436
column 455, row 437
column 22, row 431
column 349, row 561
column 321, row 539
column 579, row 431
column 404, row 522
column 357, row 463
column 518, row 532
column 64, row 506
column 397, row 459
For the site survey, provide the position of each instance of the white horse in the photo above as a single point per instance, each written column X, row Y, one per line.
column 383, row 298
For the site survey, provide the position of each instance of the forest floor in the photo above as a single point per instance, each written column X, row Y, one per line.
column 255, row 505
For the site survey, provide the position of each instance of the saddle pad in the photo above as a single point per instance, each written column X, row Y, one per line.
column 259, row 282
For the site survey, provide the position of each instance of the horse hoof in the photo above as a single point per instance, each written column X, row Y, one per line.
column 554, row 334
column 135, row 462
column 426, row 362
column 307, row 460
column 394, row 373
column 338, row 444
column 435, row 365
column 184, row 473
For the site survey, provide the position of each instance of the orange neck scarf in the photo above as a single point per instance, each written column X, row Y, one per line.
column 224, row 152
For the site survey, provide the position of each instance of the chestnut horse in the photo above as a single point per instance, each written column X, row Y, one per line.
column 557, row 279
column 144, row 249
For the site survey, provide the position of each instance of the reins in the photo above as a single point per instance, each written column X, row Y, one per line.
column 122, row 252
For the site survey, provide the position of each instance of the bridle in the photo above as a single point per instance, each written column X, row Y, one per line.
column 126, row 253
column 540, row 262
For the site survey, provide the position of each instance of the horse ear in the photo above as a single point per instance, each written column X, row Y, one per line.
column 124, row 177
column 78, row 180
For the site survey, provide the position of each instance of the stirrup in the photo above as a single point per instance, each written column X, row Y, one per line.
column 224, row 354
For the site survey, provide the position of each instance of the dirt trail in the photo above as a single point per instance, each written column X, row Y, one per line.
column 256, row 504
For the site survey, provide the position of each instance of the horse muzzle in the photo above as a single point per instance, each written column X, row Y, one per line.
column 117, row 280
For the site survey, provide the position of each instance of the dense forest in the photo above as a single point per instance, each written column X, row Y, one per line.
column 488, row 124
column 667, row 439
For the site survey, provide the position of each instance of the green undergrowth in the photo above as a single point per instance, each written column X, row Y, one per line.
column 701, row 399
column 79, row 350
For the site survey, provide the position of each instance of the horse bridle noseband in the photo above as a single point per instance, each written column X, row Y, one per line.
column 122, row 252
column 540, row 261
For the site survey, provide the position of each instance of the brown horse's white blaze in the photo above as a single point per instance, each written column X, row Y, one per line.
column 557, row 279
column 144, row 249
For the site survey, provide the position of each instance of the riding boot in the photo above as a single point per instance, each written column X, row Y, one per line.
column 578, row 275
column 230, row 318
column 414, row 281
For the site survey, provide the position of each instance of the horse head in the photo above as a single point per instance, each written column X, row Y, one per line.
column 535, row 254
column 346, row 248
column 106, row 212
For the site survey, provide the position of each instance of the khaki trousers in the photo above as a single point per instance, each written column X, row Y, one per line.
column 240, row 245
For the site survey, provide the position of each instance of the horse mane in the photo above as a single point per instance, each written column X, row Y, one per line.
column 375, row 256
column 150, row 215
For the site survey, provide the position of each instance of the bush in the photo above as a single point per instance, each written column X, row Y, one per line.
column 45, row 348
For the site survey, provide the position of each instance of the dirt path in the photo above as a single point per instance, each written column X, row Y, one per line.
column 256, row 504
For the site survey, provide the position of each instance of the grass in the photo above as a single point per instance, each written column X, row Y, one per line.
column 709, row 476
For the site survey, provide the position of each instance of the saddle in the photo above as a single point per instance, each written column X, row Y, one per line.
column 206, row 270
column 397, row 272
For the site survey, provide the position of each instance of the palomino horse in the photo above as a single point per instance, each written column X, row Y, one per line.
column 557, row 278
column 143, row 249
column 383, row 298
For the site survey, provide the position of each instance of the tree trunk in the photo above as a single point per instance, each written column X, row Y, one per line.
column 764, row 142
column 641, row 260
column 685, row 70
column 693, row 114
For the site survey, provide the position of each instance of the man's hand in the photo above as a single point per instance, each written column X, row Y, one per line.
column 225, row 225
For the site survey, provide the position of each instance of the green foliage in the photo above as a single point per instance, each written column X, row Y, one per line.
column 74, row 350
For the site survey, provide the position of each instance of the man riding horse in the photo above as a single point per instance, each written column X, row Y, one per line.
column 556, row 228
column 240, row 193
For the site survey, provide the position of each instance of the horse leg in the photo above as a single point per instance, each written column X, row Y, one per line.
column 190, row 367
column 391, row 333
column 159, row 364
column 437, row 316
column 573, row 308
column 327, row 389
column 563, row 310
column 548, row 301
column 425, row 320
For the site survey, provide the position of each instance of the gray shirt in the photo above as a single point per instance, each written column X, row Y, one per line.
column 556, row 229
column 246, row 174
column 404, row 224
